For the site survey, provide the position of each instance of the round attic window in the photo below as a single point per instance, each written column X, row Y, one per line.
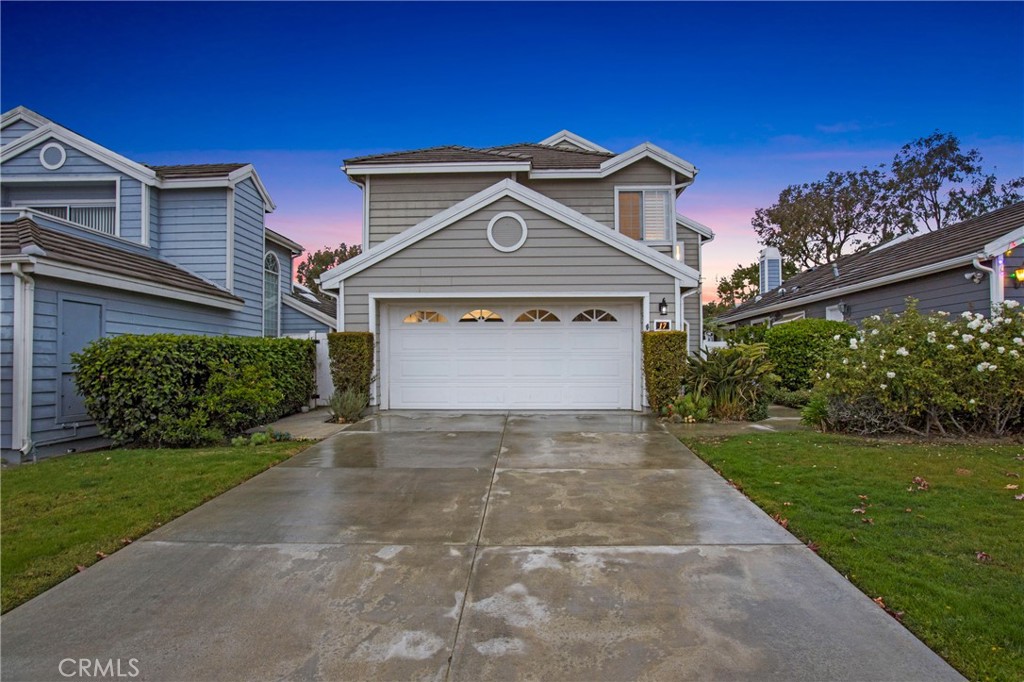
column 52, row 156
column 506, row 232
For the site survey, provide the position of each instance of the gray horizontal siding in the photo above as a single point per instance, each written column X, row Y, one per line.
column 16, row 130
column 193, row 231
column 295, row 322
column 554, row 258
column 6, row 357
column 78, row 163
column 248, row 257
column 397, row 202
column 691, row 313
column 690, row 241
column 123, row 313
column 595, row 198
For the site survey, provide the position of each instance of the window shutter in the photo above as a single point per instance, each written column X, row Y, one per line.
column 629, row 214
column 656, row 216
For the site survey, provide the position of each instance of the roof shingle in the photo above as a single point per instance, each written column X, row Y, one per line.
column 962, row 239
column 67, row 248
column 197, row 170
column 539, row 156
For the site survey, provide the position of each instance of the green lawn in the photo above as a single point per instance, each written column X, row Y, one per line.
column 919, row 550
column 57, row 514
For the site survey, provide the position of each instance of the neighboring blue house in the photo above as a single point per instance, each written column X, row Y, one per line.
column 95, row 244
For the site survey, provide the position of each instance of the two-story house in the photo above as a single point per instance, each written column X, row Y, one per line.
column 95, row 244
column 519, row 276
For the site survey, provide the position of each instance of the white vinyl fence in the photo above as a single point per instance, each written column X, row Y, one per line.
column 324, row 384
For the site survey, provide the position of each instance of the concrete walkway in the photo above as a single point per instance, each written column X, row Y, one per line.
column 472, row 547
column 312, row 425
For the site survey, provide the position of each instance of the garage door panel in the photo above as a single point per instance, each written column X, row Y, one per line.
column 501, row 365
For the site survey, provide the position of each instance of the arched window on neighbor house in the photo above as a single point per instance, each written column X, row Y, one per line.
column 271, row 295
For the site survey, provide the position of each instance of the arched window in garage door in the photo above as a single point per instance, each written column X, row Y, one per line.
column 594, row 315
column 425, row 317
column 481, row 315
column 537, row 315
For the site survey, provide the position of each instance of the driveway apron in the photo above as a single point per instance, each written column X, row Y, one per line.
column 446, row 546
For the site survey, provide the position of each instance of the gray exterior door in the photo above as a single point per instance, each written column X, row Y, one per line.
column 80, row 323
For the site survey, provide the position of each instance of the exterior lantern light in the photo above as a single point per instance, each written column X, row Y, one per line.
column 663, row 307
column 1018, row 278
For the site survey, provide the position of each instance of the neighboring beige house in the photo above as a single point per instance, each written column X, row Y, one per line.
column 519, row 276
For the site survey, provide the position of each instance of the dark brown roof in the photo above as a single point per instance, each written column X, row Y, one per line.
column 324, row 304
column 539, row 156
column 960, row 240
column 24, row 233
column 197, row 170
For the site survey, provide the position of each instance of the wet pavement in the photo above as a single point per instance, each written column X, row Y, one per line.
column 444, row 546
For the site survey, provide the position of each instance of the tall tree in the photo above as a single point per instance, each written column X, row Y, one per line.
column 816, row 222
column 936, row 183
column 321, row 260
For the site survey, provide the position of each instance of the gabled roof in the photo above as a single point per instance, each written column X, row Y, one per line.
column 316, row 306
column 279, row 239
column 198, row 175
column 571, row 138
column 953, row 246
column 691, row 224
column 24, row 239
column 540, row 160
column 509, row 188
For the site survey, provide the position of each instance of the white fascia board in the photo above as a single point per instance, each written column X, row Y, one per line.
column 569, row 136
column 699, row 228
column 88, row 147
column 249, row 171
column 83, row 275
column 500, row 190
column 281, row 240
column 860, row 286
column 1006, row 242
column 309, row 311
column 467, row 167
column 22, row 114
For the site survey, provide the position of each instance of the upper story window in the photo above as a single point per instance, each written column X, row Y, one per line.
column 645, row 214
column 88, row 204
column 271, row 295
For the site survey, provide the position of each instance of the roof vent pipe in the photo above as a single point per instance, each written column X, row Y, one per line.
column 835, row 270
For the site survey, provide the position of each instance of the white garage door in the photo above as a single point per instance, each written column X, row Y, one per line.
column 498, row 354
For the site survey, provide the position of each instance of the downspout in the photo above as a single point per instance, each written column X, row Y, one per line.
column 24, row 332
column 995, row 282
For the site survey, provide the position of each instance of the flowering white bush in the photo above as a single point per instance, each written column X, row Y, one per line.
column 895, row 376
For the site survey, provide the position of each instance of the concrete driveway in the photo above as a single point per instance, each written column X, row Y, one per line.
column 471, row 547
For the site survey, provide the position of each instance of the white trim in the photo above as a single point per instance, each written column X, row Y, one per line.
column 85, row 275
column 24, row 333
column 229, row 268
column 341, row 305
column 246, row 172
column 490, row 231
column 1005, row 243
column 263, row 298
column 145, row 214
column 573, row 138
column 281, row 240
column 693, row 225
column 381, row 346
column 310, row 311
column 366, row 214
column 500, row 190
column 88, row 147
column 117, row 207
column 446, row 167
column 792, row 317
column 997, row 283
column 679, row 306
column 52, row 145
column 931, row 269
column 21, row 113
column 64, row 177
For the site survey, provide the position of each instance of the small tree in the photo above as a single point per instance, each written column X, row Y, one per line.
column 321, row 260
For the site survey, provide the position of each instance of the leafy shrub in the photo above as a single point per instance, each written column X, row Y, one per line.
column 796, row 348
column 689, row 409
column 170, row 390
column 917, row 373
column 795, row 399
column 738, row 381
column 664, row 366
column 260, row 438
column 351, row 360
column 348, row 405
column 744, row 336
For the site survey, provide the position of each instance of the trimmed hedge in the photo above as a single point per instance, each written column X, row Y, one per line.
column 351, row 360
column 167, row 390
column 797, row 348
column 664, row 366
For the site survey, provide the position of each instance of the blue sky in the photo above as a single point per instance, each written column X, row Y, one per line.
column 758, row 96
